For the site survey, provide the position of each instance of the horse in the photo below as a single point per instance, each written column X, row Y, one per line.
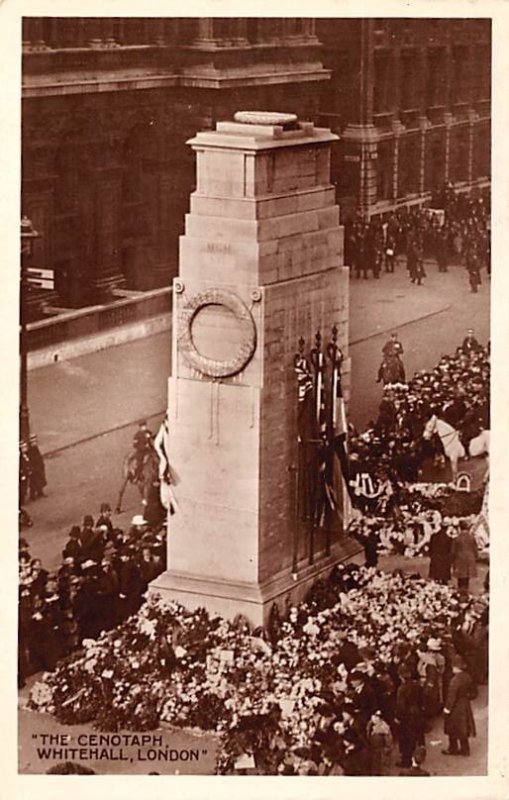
column 391, row 370
column 480, row 444
column 144, row 476
column 450, row 439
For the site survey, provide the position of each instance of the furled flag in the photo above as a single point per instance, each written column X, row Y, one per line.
column 340, row 427
column 305, row 409
column 166, row 474
column 306, row 433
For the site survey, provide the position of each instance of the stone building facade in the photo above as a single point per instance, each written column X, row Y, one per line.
column 411, row 101
column 108, row 105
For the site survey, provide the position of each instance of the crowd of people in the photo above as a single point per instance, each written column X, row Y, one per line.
column 101, row 581
column 456, row 390
column 456, row 228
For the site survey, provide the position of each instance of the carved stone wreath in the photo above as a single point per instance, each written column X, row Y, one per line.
column 211, row 366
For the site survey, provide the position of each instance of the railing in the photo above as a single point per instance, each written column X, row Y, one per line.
column 97, row 319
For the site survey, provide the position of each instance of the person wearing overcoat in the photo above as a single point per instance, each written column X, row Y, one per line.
column 459, row 723
column 464, row 556
column 440, row 547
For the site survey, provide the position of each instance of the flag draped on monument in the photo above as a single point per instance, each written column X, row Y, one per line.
column 166, row 474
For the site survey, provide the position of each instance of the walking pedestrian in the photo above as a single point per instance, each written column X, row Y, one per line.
column 473, row 268
column 390, row 252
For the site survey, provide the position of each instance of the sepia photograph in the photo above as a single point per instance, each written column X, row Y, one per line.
column 254, row 403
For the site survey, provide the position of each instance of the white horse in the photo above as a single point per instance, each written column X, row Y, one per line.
column 479, row 445
column 450, row 439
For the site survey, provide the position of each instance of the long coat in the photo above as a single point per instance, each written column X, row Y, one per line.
column 464, row 555
column 459, row 723
column 409, row 712
column 440, row 556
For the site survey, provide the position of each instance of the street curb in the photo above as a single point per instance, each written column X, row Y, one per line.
column 51, row 453
column 399, row 326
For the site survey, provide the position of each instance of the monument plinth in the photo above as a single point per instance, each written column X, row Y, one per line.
column 261, row 264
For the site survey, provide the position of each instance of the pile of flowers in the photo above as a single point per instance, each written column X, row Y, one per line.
column 404, row 517
column 260, row 695
column 409, row 535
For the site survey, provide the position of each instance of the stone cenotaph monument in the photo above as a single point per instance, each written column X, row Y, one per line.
column 261, row 265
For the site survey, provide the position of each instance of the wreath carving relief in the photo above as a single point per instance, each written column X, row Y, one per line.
column 212, row 367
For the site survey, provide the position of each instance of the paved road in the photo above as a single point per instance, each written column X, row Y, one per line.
column 85, row 410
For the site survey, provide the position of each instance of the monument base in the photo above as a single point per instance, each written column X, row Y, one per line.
column 252, row 600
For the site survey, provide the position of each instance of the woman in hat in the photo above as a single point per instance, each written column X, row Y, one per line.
column 459, row 723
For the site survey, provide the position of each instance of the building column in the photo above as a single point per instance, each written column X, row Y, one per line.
column 33, row 34
column 424, row 125
column 360, row 137
column 473, row 117
column 448, row 119
column 398, row 129
column 106, row 273
column 100, row 33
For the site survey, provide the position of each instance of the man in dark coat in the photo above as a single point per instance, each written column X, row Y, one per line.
column 440, row 548
column 441, row 248
column 459, row 723
column 92, row 540
column 74, row 547
column 470, row 344
column 37, row 470
column 464, row 556
column 25, row 472
column 106, row 590
column 104, row 517
column 130, row 583
column 409, row 716
column 364, row 697
column 348, row 655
